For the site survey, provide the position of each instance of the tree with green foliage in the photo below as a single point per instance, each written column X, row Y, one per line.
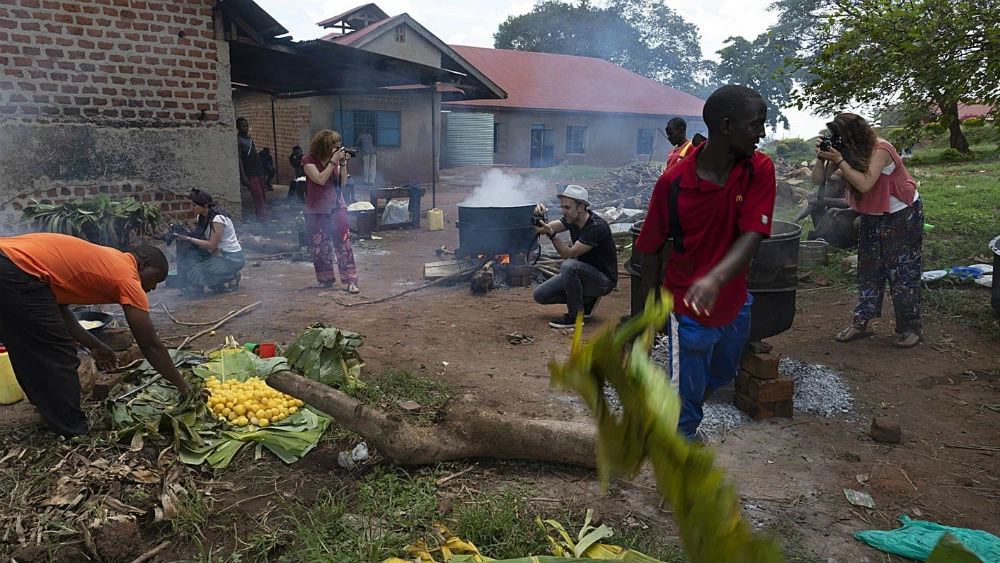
column 643, row 36
column 921, row 55
column 777, row 59
column 758, row 65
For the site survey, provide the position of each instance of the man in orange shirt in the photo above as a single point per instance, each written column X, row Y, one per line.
column 677, row 135
column 41, row 274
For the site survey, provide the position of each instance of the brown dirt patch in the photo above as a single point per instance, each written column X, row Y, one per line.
column 790, row 473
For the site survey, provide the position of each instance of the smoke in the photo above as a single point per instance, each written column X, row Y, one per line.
column 499, row 189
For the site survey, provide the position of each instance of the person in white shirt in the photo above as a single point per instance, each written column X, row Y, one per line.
column 212, row 256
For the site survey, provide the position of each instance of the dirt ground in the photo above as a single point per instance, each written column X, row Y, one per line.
column 790, row 473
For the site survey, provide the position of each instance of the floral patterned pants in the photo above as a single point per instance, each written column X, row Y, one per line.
column 889, row 250
column 326, row 230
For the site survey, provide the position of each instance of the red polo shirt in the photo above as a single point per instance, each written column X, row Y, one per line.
column 711, row 218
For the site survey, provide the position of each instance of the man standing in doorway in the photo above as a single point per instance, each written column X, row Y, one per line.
column 367, row 145
column 251, row 171
column 716, row 207
column 589, row 268
column 677, row 135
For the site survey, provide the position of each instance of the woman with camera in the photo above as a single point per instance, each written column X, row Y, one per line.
column 211, row 256
column 891, row 232
column 325, row 210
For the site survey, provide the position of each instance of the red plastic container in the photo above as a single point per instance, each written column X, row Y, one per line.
column 266, row 350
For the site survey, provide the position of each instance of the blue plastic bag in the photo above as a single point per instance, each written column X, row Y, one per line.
column 917, row 538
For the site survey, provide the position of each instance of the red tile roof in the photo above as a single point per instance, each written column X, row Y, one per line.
column 569, row 83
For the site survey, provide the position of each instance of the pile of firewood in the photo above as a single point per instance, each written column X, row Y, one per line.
column 628, row 186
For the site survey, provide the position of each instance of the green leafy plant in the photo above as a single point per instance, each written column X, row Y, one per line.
column 100, row 220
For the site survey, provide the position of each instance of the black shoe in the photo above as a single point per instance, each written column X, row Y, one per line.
column 588, row 306
column 566, row 321
column 234, row 285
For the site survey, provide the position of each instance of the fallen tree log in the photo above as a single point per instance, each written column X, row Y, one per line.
column 466, row 432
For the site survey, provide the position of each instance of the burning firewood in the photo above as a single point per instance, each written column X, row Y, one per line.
column 482, row 280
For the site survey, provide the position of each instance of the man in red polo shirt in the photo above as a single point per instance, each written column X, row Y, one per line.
column 715, row 206
column 676, row 130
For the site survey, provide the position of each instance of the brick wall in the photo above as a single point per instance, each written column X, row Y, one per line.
column 291, row 122
column 124, row 97
column 133, row 62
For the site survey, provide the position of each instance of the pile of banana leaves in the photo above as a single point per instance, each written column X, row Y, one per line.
column 328, row 355
column 100, row 220
column 152, row 407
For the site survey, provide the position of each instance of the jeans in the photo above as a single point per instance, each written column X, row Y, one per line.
column 709, row 359
column 575, row 282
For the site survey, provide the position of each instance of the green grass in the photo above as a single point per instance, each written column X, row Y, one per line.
column 387, row 510
column 390, row 388
column 499, row 525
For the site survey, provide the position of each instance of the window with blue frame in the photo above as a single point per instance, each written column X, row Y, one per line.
column 576, row 140
column 644, row 145
column 383, row 126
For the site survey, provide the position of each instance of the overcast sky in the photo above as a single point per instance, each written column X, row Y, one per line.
column 473, row 22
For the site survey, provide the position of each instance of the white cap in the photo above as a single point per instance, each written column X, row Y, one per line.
column 578, row 193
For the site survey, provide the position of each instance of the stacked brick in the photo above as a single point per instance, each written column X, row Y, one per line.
column 761, row 391
column 110, row 62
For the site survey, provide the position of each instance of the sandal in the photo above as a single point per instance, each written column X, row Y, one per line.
column 853, row 333
column 908, row 339
column 353, row 288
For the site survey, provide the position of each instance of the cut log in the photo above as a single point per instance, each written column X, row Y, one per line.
column 466, row 432
column 482, row 280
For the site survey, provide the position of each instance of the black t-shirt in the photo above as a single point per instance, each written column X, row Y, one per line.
column 603, row 255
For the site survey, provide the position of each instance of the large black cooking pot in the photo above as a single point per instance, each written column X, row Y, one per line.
column 772, row 280
column 494, row 230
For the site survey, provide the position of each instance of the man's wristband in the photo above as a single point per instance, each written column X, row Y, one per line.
column 841, row 161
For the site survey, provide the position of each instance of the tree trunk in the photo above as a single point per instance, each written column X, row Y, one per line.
column 465, row 433
column 956, row 138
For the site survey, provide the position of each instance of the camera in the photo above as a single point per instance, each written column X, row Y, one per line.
column 171, row 234
column 353, row 153
column 826, row 142
column 538, row 220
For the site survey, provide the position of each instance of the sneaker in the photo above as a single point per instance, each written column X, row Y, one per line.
column 565, row 321
column 588, row 307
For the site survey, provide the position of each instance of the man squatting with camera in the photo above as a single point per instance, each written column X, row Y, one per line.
column 714, row 207
column 589, row 269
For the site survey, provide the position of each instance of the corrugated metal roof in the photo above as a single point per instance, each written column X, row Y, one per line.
column 569, row 83
column 370, row 8
column 350, row 38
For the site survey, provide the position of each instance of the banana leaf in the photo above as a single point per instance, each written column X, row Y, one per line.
column 328, row 355
column 707, row 508
column 198, row 436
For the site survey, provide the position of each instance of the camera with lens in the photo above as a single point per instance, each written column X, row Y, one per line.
column 353, row 153
column 826, row 142
column 171, row 234
column 539, row 220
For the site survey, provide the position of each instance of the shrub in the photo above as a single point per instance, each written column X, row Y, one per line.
column 933, row 129
column 793, row 150
column 973, row 122
column 952, row 155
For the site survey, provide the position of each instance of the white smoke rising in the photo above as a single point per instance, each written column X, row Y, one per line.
column 499, row 189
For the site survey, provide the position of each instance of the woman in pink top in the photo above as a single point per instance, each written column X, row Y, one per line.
column 891, row 233
column 325, row 211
